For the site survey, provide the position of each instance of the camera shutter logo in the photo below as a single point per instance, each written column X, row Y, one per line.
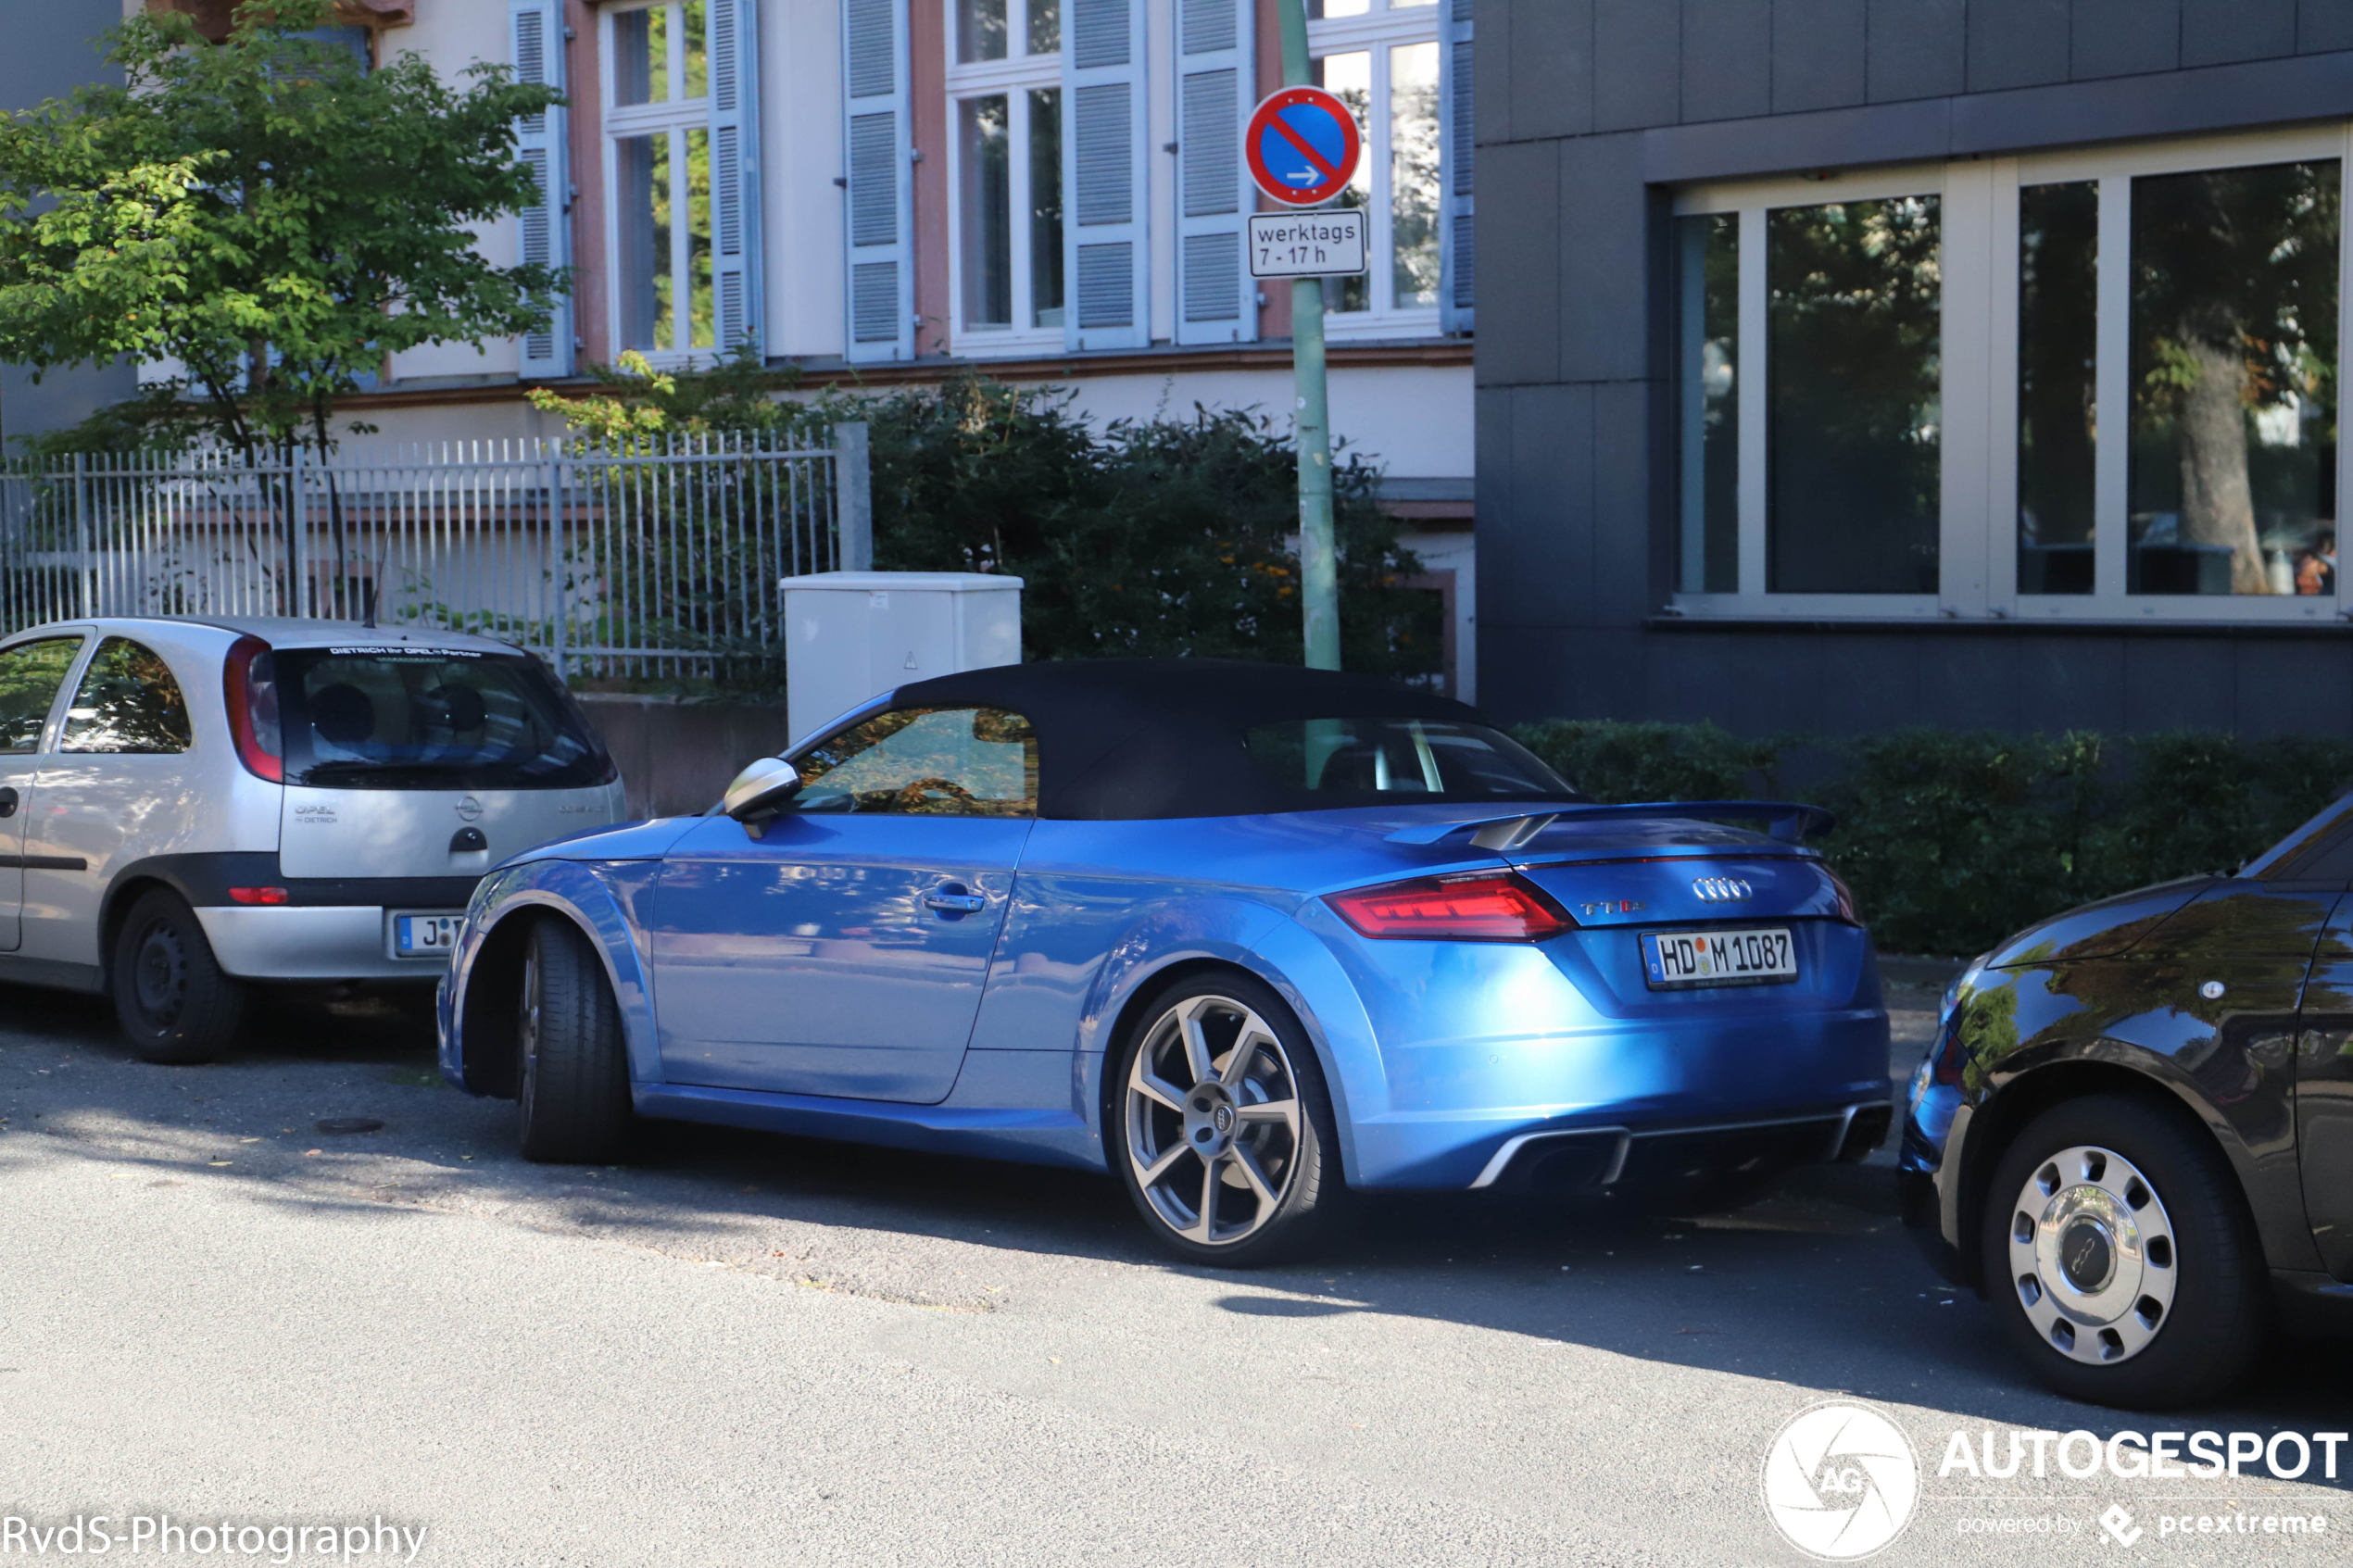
column 1841, row 1481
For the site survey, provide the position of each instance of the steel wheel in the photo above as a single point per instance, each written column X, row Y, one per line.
column 1213, row 1120
column 2092, row 1255
column 160, row 973
column 169, row 993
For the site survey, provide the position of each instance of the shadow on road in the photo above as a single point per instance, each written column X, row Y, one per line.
column 1816, row 1288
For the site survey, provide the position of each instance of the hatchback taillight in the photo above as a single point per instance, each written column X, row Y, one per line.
column 1479, row 907
column 250, row 686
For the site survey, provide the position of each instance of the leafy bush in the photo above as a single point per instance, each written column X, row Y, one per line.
column 1167, row 536
column 1951, row 841
column 1614, row 760
column 1164, row 537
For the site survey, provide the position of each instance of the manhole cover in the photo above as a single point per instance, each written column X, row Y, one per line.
column 349, row 1124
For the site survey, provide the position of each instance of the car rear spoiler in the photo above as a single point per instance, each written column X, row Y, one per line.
column 1784, row 819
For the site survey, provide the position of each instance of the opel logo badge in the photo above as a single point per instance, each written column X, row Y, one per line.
column 1722, row 890
column 470, row 808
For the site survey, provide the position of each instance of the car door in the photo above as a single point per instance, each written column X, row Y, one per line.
column 841, row 948
column 31, row 674
column 115, row 788
column 2324, row 1072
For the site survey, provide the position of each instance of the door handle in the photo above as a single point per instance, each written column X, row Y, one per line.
column 7, row 802
column 955, row 903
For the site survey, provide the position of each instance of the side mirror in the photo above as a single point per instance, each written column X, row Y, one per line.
column 761, row 791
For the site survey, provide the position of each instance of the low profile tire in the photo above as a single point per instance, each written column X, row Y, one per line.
column 573, row 1108
column 169, row 993
column 1221, row 1127
column 2119, row 1258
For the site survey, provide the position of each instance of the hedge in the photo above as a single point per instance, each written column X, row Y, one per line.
column 1953, row 840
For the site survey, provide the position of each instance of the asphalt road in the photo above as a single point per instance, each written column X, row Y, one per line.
column 755, row 1350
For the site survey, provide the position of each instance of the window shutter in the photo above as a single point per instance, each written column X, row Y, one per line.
column 735, row 170
column 1458, row 232
column 881, row 209
column 1216, row 300
column 1106, row 257
column 536, row 28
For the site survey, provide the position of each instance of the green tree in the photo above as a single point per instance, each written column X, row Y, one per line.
column 268, row 216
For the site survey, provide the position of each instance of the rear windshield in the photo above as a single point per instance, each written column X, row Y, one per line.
column 373, row 718
column 1387, row 758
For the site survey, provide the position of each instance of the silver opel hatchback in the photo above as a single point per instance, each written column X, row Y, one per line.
column 188, row 806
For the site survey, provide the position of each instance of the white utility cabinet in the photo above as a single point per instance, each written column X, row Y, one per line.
column 851, row 635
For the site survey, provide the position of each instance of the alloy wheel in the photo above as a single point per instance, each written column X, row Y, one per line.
column 2092, row 1255
column 1213, row 1120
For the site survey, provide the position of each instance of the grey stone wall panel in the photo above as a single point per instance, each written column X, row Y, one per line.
column 1521, row 248
column 2323, row 25
column 1915, row 49
column 1819, row 58
column 1728, row 59
column 2217, row 32
column 1551, row 68
column 1605, row 274
column 2015, row 44
column 2124, row 37
column 1637, row 64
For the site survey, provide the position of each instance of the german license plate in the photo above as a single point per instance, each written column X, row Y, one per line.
column 425, row 937
column 1676, row 959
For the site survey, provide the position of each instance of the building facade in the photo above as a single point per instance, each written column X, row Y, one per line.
column 1964, row 362
column 885, row 192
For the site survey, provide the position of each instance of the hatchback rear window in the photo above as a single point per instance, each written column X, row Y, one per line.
column 391, row 718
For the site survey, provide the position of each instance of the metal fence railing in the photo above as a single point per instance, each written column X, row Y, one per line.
column 662, row 559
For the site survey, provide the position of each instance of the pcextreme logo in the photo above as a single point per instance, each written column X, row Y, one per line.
column 1841, row 1481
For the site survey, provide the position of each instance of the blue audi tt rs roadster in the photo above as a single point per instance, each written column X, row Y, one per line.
column 1249, row 936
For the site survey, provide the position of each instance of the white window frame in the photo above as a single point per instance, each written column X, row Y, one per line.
column 1381, row 28
column 1013, row 78
column 1977, row 574
column 674, row 117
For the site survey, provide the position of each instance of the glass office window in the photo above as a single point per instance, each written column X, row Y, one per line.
column 1707, row 344
column 2058, row 233
column 2234, row 380
column 1853, row 398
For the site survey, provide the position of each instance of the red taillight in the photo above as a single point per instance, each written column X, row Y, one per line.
column 1483, row 907
column 249, row 684
column 1846, row 898
column 257, row 896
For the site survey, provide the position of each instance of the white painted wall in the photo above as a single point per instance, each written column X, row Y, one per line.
column 452, row 37
column 1414, row 420
column 801, row 154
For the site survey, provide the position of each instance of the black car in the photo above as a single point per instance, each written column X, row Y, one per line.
column 2134, row 1133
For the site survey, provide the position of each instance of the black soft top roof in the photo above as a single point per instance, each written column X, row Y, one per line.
column 1127, row 738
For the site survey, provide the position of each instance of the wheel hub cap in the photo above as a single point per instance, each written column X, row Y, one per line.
column 2092, row 1255
column 1209, row 1119
column 157, row 976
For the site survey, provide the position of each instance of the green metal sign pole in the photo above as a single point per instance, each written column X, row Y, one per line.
column 1318, row 555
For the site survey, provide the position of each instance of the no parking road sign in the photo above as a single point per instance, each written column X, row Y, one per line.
column 1302, row 146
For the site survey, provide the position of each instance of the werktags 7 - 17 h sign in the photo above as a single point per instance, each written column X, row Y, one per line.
column 1307, row 244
